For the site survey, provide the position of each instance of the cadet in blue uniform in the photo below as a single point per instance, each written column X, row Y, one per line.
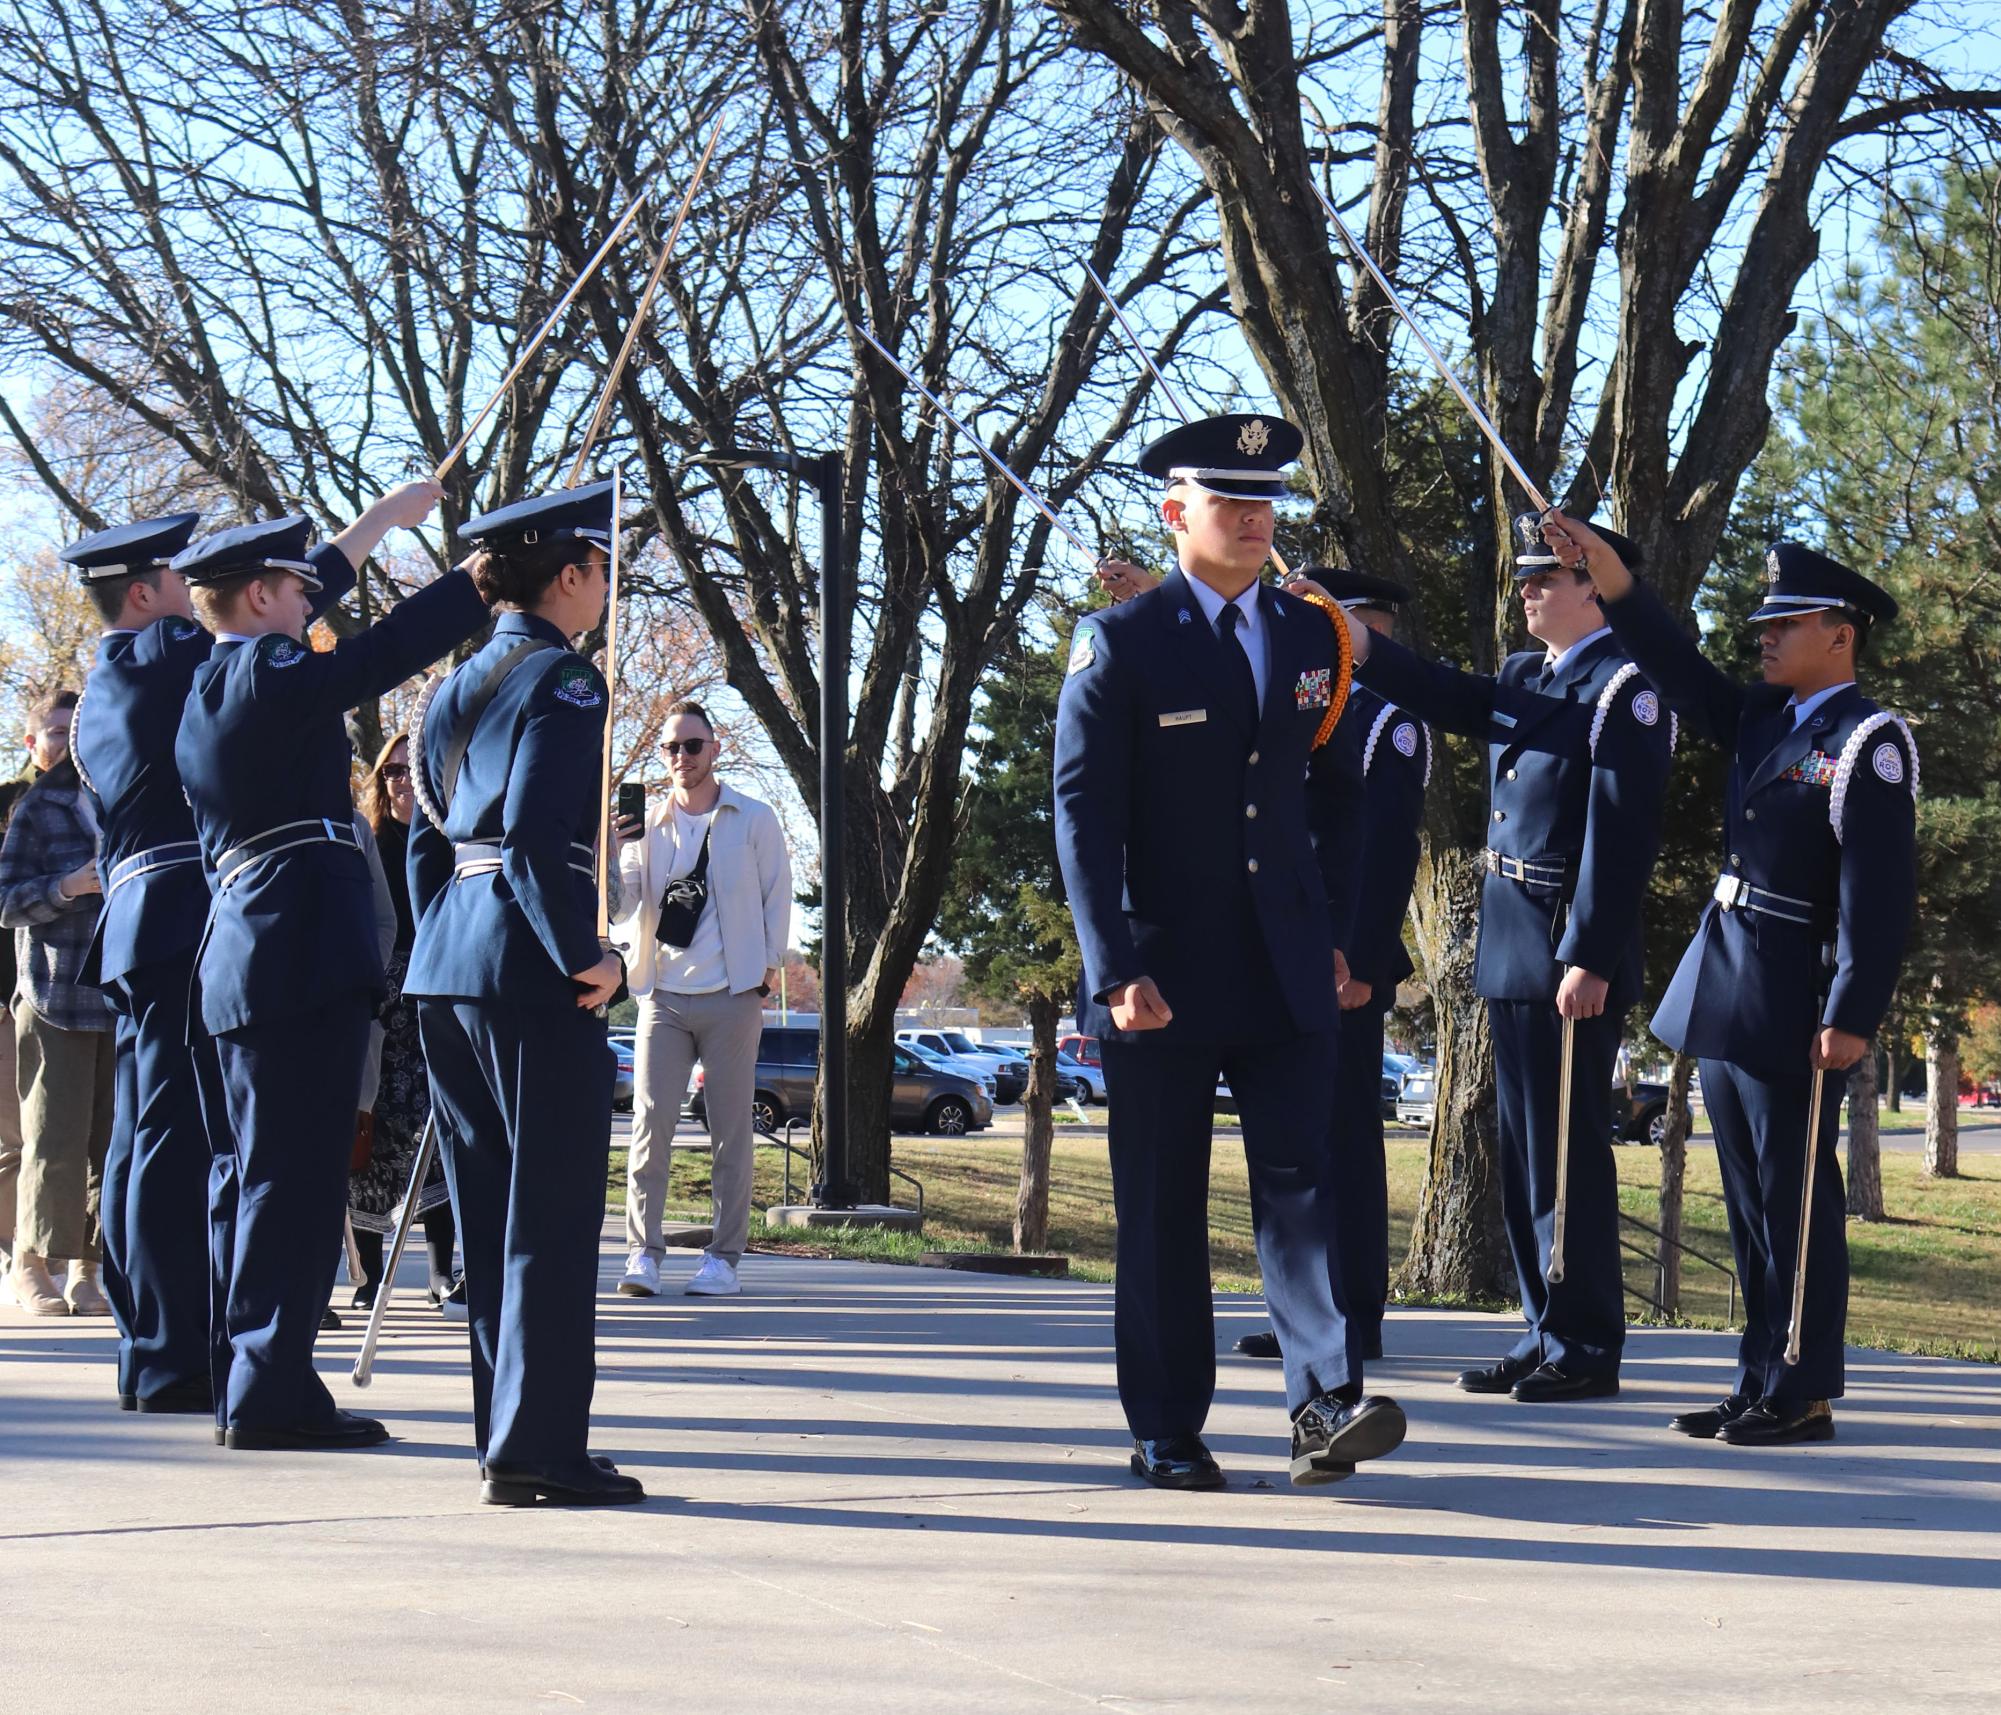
column 287, row 974
column 1393, row 757
column 156, row 1169
column 1579, row 747
column 510, row 976
column 1188, row 804
column 1797, row 954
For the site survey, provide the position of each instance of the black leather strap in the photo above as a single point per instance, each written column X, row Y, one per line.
column 476, row 705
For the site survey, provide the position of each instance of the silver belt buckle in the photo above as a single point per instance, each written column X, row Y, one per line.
column 1731, row 891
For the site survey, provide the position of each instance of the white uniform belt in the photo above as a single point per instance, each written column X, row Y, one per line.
column 287, row 836
column 170, row 856
column 1541, row 872
column 482, row 857
column 1734, row 893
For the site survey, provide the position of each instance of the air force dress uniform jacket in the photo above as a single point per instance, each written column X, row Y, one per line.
column 288, row 973
column 1806, row 929
column 1578, row 760
column 503, row 884
column 1213, row 854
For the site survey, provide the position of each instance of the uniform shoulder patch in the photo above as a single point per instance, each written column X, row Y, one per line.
column 1083, row 649
column 1888, row 762
column 275, row 649
column 577, row 684
column 1405, row 738
column 180, row 630
column 1647, row 709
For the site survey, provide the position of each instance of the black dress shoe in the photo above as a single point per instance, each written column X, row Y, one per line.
column 328, row 1320
column 1262, row 1344
column 334, row 1434
column 582, row 1483
column 1176, row 1462
column 1554, row 1382
column 128, row 1402
column 364, row 1296
column 186, row 1398
column 1705, row 1425
column 1497, row 1378
column 1780, row 1423
column 597, row 1459
column 1331, row 1436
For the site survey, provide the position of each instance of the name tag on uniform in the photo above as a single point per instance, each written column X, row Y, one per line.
column 1186, row 717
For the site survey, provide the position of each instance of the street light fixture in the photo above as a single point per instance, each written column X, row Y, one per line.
column 825, row 472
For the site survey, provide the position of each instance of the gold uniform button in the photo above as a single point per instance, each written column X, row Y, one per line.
column 1750, row 815
column 1254, row 757
column 1500, row 815
column 1511, row 774
column 1253, row 866
column 1735, row 861
column 1251, row 810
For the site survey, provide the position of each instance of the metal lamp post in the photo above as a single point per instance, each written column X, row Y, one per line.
column 824, row 472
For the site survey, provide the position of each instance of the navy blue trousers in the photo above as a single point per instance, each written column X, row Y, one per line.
column 156, row 1173
column 1760, row 1129
column 523, row 1097
column 279, row 1102
column 1361, row 1186
column 1580, row 1324
column 1162, row 1097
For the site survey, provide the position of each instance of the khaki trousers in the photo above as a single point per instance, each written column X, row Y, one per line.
column 66, row 1080
column 675, row 1030
column 10, row 1138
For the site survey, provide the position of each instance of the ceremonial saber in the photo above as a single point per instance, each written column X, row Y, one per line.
column 542, row 333
column 610, row 712
column 1554, row 1273
column 1431, row 351
column 603, row 413
column 986, row 452
column 427, row 1149
column 1153, row 369
column 1796, row 1329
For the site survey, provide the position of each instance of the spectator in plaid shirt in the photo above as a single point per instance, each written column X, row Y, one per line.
column 49, row 897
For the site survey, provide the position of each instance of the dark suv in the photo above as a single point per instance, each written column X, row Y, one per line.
column 922, row 1098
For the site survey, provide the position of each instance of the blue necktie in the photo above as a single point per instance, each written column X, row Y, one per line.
column 1237, row 664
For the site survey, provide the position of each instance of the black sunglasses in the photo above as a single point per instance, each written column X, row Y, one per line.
column 690, row 747
column 396, row 771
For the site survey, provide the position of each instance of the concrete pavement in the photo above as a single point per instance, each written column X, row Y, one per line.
column 890, row 1489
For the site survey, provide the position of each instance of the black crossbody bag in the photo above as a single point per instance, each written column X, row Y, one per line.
column 682, row 905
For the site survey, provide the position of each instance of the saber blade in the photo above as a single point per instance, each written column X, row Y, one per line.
column 1796, row 1330
column 1554, row 1273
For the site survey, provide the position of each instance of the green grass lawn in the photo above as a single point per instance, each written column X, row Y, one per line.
column 1928, row 1278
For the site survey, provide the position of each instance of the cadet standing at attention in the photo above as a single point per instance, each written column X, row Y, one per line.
column 1189, row 797
column 155, row 1206
column 510, row 977
column 1578, row 746
column 287, row 975
column 1792, row 967
column 1394, row 759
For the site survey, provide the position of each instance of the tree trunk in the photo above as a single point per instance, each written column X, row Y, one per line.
column 1031, row 1198
column 1674, row 1167
column 1893, row 1074
column 1865, row 1155
column 1458, row 1247
column 1941, row 1104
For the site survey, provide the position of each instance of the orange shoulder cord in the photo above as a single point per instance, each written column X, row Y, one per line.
column 1344, row 673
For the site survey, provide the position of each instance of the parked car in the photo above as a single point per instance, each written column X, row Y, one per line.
column 958, row 1063
column 923, row 1097
column 1010, row 1074
column 1084, row 1048
column 621, row 1089
column 1085, row 1084
column 1417, row 1096
column 1640, row 1117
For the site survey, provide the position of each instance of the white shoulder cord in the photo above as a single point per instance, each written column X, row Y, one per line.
column 76, row 732
column 1610, row 695
column 420, row 781
column 1383, row 718
column 1851, row 754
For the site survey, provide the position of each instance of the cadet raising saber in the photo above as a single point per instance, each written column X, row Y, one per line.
column 1793, row 965
column 288, row 976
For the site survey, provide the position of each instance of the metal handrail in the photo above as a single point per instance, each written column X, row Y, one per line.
column 791, row 1149
column 1686, row 1250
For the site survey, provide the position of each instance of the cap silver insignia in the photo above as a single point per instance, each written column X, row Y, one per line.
column 1253, row 437
column 1771, row 565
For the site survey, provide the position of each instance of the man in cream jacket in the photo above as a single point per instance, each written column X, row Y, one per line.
column 704, row 908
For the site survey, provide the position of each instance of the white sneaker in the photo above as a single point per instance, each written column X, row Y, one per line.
column 714, row 1279
column 642, row 1276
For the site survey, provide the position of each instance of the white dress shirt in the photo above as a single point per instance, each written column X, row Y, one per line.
column 1554, row 658
column 1800, row 710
